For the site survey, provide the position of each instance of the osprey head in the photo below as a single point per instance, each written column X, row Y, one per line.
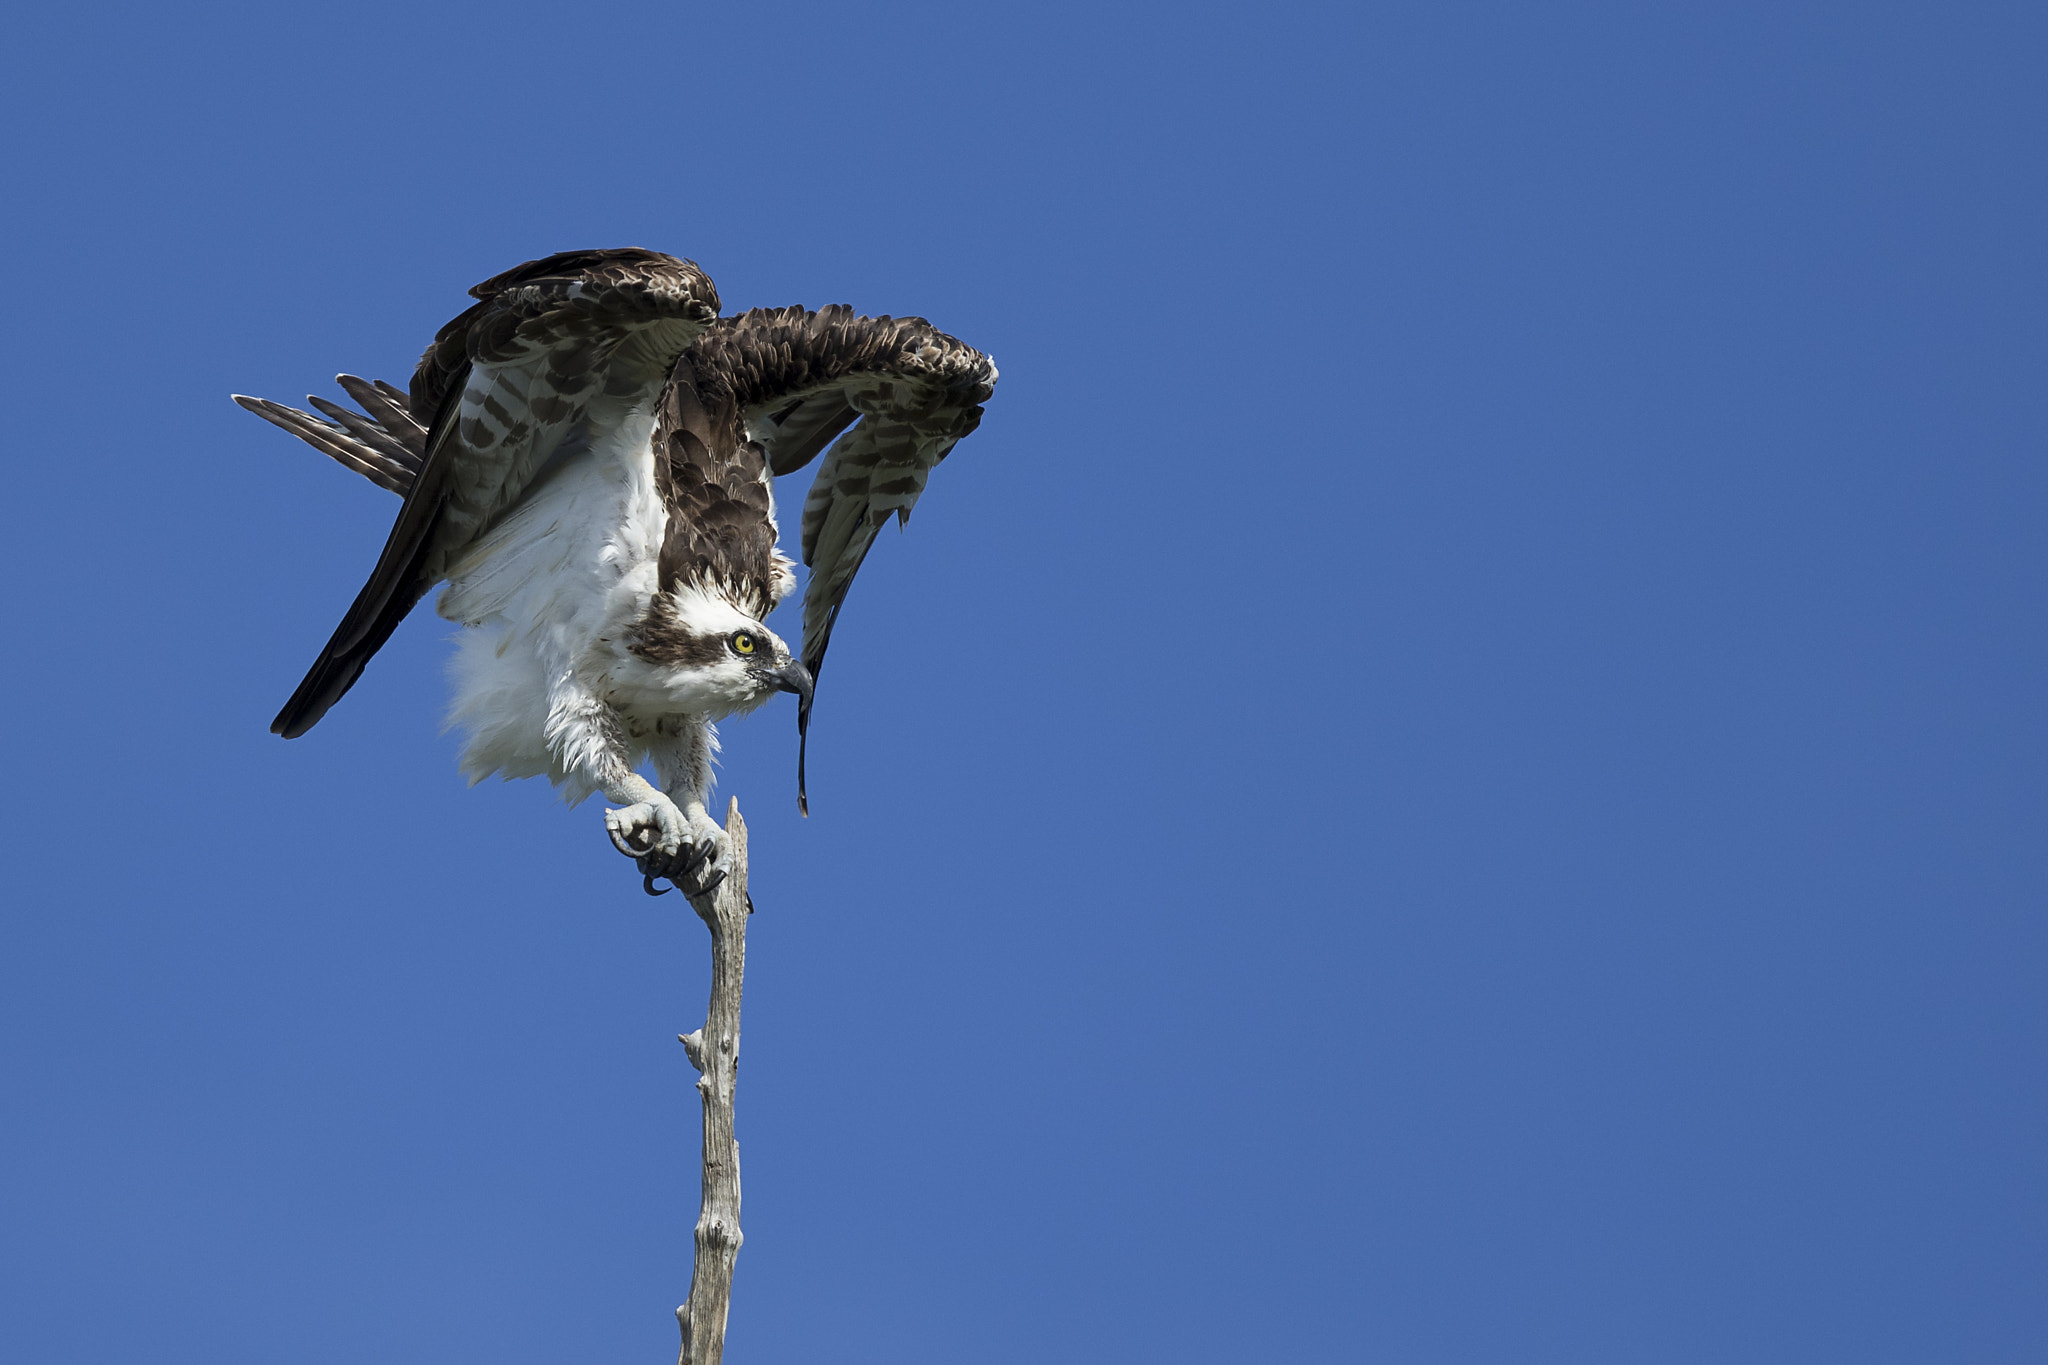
column 714, row 657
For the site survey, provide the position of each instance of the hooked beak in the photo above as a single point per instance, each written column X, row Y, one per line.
column 794, row 677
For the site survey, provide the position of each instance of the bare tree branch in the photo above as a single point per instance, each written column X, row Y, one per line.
column 715, row 1051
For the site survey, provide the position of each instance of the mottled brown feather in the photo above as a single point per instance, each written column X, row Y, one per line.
column 571, row 309
column 713, row 481
column 895, row 393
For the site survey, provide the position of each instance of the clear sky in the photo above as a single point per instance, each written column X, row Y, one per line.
column 1456, row 774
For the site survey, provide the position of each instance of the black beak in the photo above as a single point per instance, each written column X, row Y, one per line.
column 794, row 677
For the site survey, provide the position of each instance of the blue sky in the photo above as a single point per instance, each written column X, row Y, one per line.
column 1456, row 774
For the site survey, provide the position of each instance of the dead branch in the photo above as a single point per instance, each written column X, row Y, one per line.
column 715, row 1051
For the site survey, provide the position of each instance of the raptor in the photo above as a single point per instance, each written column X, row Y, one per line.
column 587, row 458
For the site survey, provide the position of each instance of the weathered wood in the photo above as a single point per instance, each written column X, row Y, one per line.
column 715, row 1051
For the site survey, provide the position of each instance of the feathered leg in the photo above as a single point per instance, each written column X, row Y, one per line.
column 682, row 842
column 681, row 750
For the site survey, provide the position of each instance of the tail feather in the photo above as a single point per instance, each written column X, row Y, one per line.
column 369, row 433
column 386, row 448
column 390, row 408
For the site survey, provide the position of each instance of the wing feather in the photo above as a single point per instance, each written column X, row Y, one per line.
column 499, row 388
column 889, row 397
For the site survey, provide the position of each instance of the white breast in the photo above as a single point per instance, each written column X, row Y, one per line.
column 546, row 595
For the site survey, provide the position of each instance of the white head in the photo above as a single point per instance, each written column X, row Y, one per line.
column 715, row 656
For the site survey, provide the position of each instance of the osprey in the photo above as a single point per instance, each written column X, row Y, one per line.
column 586, row 457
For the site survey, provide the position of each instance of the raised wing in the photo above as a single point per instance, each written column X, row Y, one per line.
column 573, row 340
column 906, row 390
column 770, row 389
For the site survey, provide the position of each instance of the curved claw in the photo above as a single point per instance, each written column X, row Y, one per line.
column 680, row 879
column 688, row 868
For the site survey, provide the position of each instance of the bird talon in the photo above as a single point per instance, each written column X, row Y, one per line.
column 684, row 851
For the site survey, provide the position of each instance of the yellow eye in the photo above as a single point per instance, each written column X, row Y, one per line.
column 742, row 643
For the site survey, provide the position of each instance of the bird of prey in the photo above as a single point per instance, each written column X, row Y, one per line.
column 586, row 457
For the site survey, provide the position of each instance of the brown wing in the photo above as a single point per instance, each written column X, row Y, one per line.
column 496, row 393
column 798, row 379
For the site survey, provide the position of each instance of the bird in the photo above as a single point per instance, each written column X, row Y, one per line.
column 586, row 457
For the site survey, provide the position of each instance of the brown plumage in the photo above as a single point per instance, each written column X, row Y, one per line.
column 546, row 330
column 798, row 379
column 714, row 483
column 569, row 296
column 510, row 389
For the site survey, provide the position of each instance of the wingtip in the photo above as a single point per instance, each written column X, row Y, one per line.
column 803, row 750
column 307, row 705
